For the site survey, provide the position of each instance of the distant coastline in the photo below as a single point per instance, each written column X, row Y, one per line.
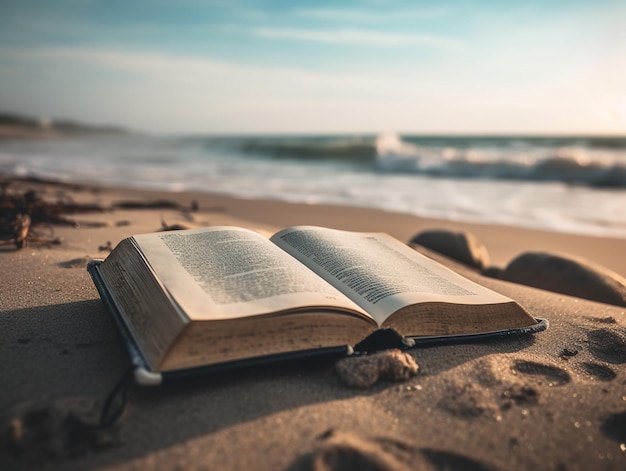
column 16, row 126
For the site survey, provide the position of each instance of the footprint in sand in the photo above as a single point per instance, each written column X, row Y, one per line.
column 608, row 345
column 597, row 371
column 466, row 400
column 553, row 375
column 602, row 320
column 338, row 451
column 614, row 427
column 444, row 460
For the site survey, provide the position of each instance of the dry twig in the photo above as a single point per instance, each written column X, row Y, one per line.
column 24, row 213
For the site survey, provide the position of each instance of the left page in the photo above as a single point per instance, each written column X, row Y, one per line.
column 228, row 272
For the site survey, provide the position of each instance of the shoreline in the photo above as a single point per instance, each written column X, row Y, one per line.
column 552, row 400
column 502, row 241
column 536, row 188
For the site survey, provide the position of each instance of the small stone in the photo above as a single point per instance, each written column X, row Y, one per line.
column 460, row 246
column 365, row 371
column 566, row 353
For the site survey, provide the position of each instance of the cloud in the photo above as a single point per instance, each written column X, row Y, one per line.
column 359, row 37
column 111, row 58
column 345, row 14
column 211, row 76
column 167, row 92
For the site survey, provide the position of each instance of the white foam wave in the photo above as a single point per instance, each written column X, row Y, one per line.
column 518, row 198
column 567, row 164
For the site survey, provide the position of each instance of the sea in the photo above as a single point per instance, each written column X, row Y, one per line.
column 566, row 184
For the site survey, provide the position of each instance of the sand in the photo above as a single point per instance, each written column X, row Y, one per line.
column 554, row 400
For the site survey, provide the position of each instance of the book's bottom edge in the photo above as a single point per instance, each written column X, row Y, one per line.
column 146, row 377
column 539, row 326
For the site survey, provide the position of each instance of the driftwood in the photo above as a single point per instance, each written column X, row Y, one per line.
column 156, row 204
column 26, row 218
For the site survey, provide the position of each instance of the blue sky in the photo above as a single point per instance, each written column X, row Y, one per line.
column 217, row 67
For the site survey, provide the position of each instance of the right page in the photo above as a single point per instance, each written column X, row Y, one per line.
column 381, row 274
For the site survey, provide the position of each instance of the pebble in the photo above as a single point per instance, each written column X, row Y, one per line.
column 366, row 370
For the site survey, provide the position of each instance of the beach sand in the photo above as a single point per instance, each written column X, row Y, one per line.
column 554, row 400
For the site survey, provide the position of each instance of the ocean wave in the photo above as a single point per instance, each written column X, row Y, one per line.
column 589, row 161
column 483, row 179
column 317, row 149
column 571, row 165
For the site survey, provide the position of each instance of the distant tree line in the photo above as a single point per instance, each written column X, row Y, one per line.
column 62, row 126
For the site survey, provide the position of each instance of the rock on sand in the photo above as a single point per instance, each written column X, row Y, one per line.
column 364, row 371
column 461, row 246
column 567, row 274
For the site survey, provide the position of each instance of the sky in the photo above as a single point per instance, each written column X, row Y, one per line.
column 247, row 67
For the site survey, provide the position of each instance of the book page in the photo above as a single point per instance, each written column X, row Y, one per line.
column 378, row 272
column 229, row 272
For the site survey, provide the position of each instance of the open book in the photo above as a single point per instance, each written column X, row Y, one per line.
column 196, row 298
